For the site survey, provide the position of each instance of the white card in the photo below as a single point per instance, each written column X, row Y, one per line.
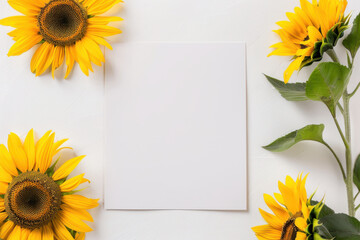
column 175, row 126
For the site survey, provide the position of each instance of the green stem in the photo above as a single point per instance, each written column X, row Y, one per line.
column 341, row 132
column 333, row 55
column 347, row 141
column 349, row 163
column 337, row 159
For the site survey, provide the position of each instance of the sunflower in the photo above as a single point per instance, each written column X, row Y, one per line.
column 37, row 199
column 64, row 30
column 310, row 31
column 294, row 218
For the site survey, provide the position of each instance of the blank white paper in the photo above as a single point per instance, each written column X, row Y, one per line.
column 175, row 126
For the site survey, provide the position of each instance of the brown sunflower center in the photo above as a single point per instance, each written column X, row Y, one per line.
column 289, row 230
column 32, row 200
column 63, row 22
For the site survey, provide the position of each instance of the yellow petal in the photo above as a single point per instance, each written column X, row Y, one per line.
column 272, row 220
column 6, row 229
column 60, row 230
column 44, row 154
column 67, row 168
column 45, row 59
column 15, row 234
column 94, row 51
column 70, row 59
column 80, row 213
column 19, row 21
column 56, row 146
column 72, row 183
column 17, row 152
column 23, row 32
column 80, row 236
column 6, row 161
column 290, row 199
column 27, row 7
column 47, row 232
column 294, row 65
column 25, row 233
column 2, row 205
column 314, row 33
column 78, row 201
column 29, row 146
column 103, row 30
column 82, row 58
column 99, row 40
column 100, row 7
column 24, row 44
column 35, row 58
column 72, row 221
column 279, row 198
column 5, row 176
column 35, row 234
column 58, row 58
column 3, row 216
column 300, row 236
column 100, row 20
column 267, row 232
column 301, row 223
column 3, row 187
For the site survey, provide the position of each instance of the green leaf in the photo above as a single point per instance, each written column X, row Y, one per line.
column 310, row 132
column 357, row 173
column 342, row 226
column 289, row 91
column 352, row 42
column 327, row 83
column 324, row 233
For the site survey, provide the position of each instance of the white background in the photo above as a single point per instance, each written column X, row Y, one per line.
column 74, row 108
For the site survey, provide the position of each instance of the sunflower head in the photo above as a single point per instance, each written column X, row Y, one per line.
column 294, row 217
column 63, row 22
column 311, row 30
column 38, row 199
column 63, row 30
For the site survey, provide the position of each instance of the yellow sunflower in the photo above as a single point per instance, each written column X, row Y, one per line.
column 310, row 31
column 294, row 217
column 37, row 199
column 64, row 30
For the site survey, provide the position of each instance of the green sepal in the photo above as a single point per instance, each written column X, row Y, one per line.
column 330, row 41
column 325, row 210
column 61, row 181
column 73, row 192
column 309, row 229
column 50, row 172
column 324, row 47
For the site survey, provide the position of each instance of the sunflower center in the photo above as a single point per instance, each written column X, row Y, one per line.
column 63, row 22
column 32, row 200
column 289, row 230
